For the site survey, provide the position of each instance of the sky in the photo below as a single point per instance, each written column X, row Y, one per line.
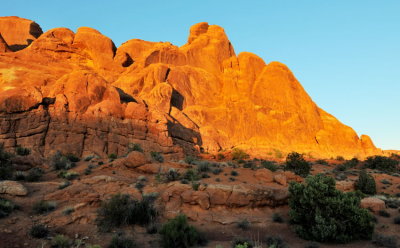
column 345, row 53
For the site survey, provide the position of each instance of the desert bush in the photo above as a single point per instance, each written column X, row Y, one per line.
column 217, row 171
column 191, row 175
column 195, row 186
column 69, row 175
column 64, row 184
column 34, row 175
column 270, row 165
column 220, row 156
column 123, row 210
column 322, row 213
column 178, row 233
column 234, row 173
column 382, row 163
column 243, row 224
column 43, row 206
column 384, row 241
column 6, row 207
column 112, row 156
column 134, row 147
column 87, row 171
column 172, row 175
column 366, row 183
column 277, row 218
column 72, row 158
column 396, row 220
column 152, row 228
column 385, row 181
column 239, row 154
column 340, row 158
column 322, row 161
column 121, row 242
column 312, row 245
column 60, row 162
column 22, row 151
column 68, row 210
column 203, row 166
column 156, row 156
column 6, row 168
column 39, row 231
column 275, row 242
column 240, row 242
column 295, row 162
column 190, row 159
column 250, row 165
column 384, row 213
column 60, row 241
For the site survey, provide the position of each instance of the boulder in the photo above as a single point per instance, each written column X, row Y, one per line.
column 135, row 159
column 280, row 179
column 373, row 204
column 19, row 32
column 12, row 188
column 264, row 175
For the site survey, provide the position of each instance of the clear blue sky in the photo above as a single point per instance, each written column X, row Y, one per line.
column 346, row 53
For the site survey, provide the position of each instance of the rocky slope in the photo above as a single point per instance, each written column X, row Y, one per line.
column 78, row 93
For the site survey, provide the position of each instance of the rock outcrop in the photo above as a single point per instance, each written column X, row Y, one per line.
column 78, row 93
column 12, row 188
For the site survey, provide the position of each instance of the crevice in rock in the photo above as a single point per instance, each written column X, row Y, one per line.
column 128, row 60
column 124, row 97
column 167, row 74
column 177, row 100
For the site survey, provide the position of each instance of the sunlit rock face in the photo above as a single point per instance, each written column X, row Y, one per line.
column 77, row 92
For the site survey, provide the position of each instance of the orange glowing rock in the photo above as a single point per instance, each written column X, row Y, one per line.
column 171, row 99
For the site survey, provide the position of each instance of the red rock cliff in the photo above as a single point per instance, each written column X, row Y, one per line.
column 78, row 92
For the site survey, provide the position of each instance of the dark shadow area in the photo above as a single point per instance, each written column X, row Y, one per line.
column 35, row 30
column 184, row 137
column 177, row 100
column 128, row 61
column 124, row 97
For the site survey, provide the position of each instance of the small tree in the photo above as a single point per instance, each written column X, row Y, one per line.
column 366, row 183
column 295, row 162
column 382, row 163
column 322, row 213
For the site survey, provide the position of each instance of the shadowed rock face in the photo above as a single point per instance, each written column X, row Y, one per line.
column 77, row 92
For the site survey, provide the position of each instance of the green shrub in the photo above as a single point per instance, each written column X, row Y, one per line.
column 134, row 147
column 60, row 241
column 112, row 156
column 234, row 173
column 220, row 156
column 6, row 207
column 384, row 213
column 295, row 162
column 121, row 242
column 312, row 245
column 242, row 243
column 123, row 210
column 217, row 171
column 382, row 163
column 322, row 161
column 60, row 162
column 322, row 213
column 366, row 183
column 64, row 184
column 69, row 175
column 385, row 241
column 277, row 218
column 72, row 158
column 34, row 175
column 39, row 231
column 195, row 186
column 270, row 165
column 243, row 224
column 191, row 175
column 22, row 151
column 203, row 166
column 190, row 159
column 340, row 158
column 172, row 175
column 68, row 210
column 275, row 242
column 43, row 206
column 6, row 168
column 156, row 156
column 239, row 154
column 396, row 220
column 178, row 233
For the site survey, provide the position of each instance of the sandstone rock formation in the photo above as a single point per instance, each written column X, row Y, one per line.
column 78, row 93
column 12, row 188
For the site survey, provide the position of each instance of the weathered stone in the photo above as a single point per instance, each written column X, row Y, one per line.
column 372, row 203
column 12, row 188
